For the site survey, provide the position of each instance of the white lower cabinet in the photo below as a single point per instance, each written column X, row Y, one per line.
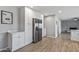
column 75, row 35
column 16, row 40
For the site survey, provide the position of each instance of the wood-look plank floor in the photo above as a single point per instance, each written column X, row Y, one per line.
column 60, row 44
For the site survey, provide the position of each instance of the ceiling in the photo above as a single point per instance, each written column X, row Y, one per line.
column 63, row 12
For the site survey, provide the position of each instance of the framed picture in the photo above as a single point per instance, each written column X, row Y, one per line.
column 6, row 17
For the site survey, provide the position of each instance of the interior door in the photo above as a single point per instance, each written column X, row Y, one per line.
column 48, row 27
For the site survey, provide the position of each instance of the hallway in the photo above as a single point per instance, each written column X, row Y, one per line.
column 61, row 44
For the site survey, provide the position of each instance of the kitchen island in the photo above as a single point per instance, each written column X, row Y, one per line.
column 75, row 35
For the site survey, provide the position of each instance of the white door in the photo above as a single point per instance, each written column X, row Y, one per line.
column 50, row 26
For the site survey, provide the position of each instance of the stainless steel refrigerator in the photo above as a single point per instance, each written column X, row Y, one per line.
column 37, row 29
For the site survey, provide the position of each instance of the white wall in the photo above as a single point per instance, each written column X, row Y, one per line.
column 21, row 17
column 8, row 27
column 29, row 14
column 57, row 26
column 43, row 26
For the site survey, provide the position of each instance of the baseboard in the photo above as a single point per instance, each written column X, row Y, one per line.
column 44, row 36
column 22, row 47
column 50, row 36
column 4, row 49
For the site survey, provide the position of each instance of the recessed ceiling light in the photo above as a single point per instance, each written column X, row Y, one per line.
column 75, row 19
column 60, row 11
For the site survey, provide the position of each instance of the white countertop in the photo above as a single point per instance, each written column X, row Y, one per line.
column 74, row 30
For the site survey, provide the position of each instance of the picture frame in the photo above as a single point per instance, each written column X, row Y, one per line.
column 6, row 17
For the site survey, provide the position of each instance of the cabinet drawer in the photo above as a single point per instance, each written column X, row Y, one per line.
column 15, row 43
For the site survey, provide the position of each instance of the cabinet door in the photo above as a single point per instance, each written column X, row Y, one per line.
column 15, row 43
column 28, row 26
column 30, row 33
column 21, row 39
column 26, row 34
column 30, row 16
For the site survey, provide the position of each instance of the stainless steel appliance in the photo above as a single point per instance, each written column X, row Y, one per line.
column 37, row 30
